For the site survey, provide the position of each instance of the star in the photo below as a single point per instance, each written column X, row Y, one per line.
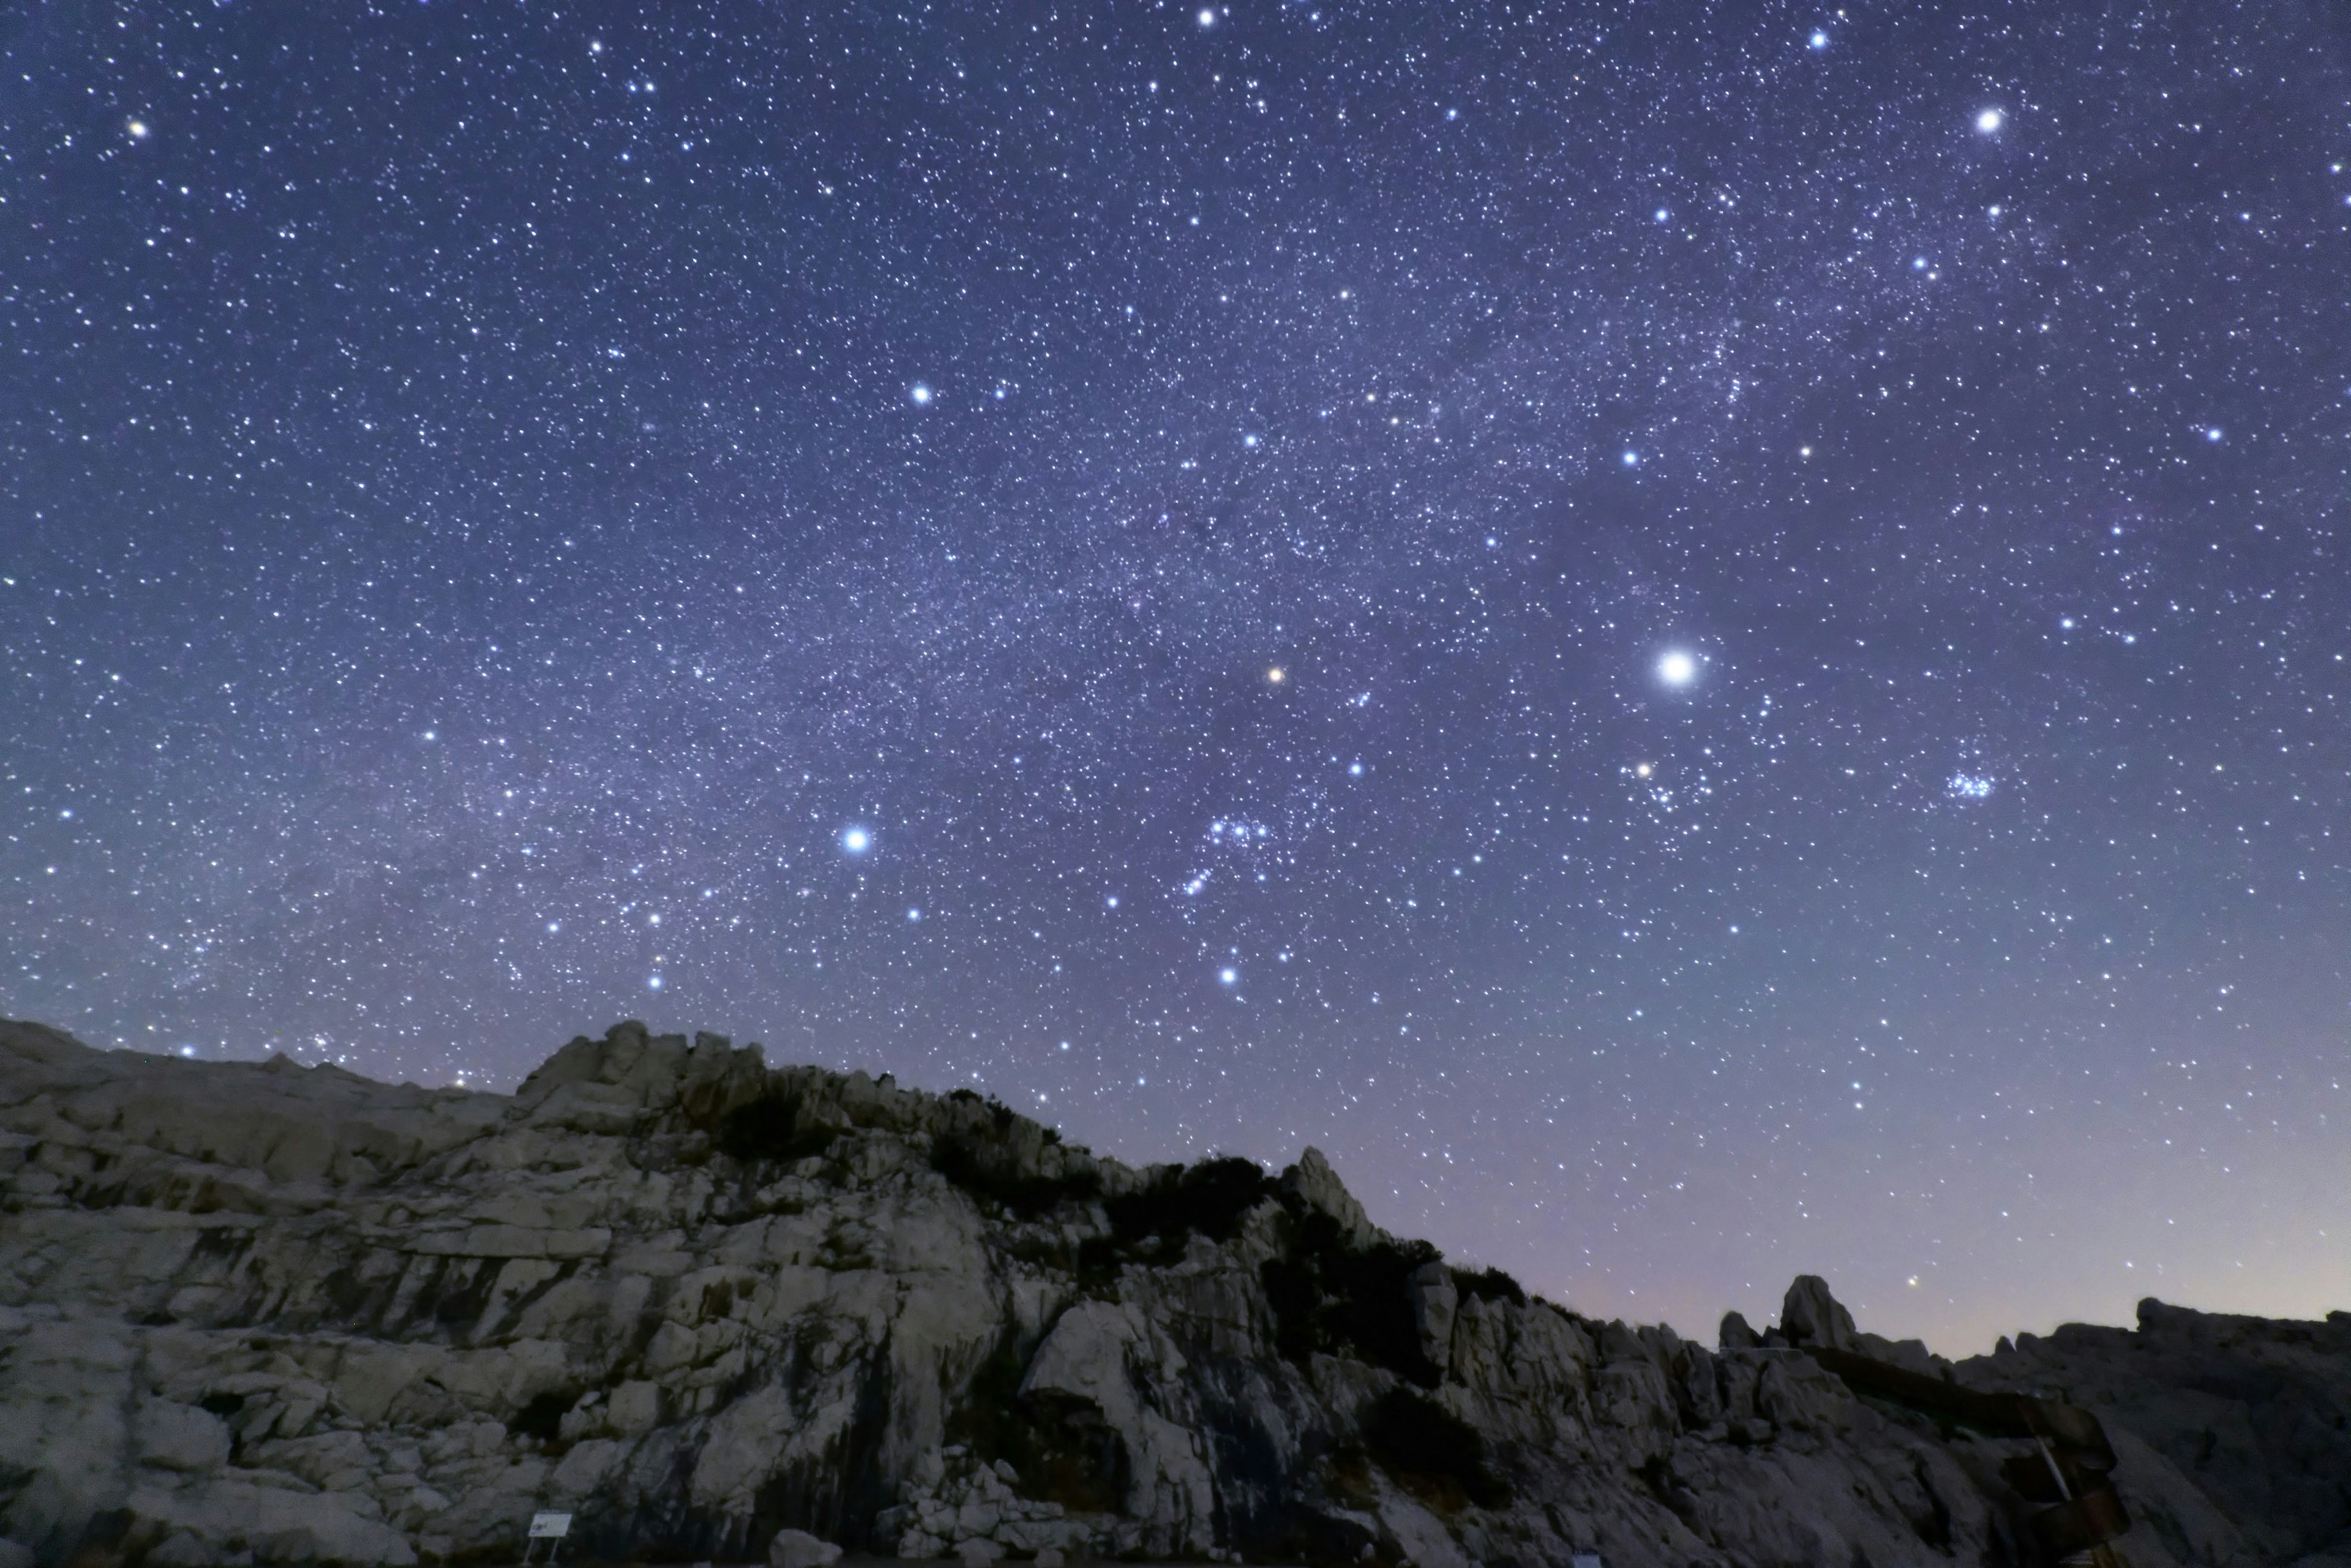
column 919, row 396
column 856, row 841
column 1989, row 121
column 1677, row 669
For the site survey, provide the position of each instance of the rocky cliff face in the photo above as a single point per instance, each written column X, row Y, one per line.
column 266, row 1314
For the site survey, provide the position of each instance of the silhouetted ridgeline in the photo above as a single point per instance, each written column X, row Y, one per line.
column 265, row 1313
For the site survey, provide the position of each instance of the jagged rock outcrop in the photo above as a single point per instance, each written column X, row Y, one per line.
column 2233, row 1434
column 259, row 1314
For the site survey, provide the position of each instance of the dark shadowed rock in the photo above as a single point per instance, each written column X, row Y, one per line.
column 1809, row 1315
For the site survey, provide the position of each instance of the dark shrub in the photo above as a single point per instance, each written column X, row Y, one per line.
column 1328, row 1294
column 1210, row 1197
column 1067, row 1456
column 774, row 1126
column 1372, row 1309
column 1294, row 1291
column 1416, row 1438
column 989, row 1171
column 1490, row 1285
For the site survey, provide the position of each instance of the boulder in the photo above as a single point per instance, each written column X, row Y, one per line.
column 1810, row 1316
column 799, row 1548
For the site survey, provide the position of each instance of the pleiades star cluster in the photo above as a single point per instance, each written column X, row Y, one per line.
column 1705, row 640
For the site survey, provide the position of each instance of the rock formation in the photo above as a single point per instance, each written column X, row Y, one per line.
column 266, row 1314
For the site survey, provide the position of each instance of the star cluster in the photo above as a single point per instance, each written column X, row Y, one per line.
column 1705, row 642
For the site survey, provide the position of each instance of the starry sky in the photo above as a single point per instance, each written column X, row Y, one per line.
column 1705, row 640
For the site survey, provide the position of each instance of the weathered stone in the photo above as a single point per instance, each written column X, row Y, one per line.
column 1434, row 1300
column 180, row 1436
column 1810, row 1315
column 799, row 1548
column 1317, row 1186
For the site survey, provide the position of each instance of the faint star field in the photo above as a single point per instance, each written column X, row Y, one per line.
column 1704, row 642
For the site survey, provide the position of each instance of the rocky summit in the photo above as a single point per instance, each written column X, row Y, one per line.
column 260, row 1313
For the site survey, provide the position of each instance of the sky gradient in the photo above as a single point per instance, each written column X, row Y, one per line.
column 1706, row 640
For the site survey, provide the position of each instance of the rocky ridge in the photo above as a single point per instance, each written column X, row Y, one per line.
column 269, row 1314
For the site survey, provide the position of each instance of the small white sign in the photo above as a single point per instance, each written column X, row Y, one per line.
column 549, row 1526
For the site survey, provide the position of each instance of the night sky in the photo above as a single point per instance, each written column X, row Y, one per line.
column 1705, row 640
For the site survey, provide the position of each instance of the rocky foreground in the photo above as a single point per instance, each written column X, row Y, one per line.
column 259, row 1314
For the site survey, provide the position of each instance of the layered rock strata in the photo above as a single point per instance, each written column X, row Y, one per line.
column 266, row 1314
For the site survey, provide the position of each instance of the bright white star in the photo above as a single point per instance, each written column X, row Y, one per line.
column 1677, row 669
column 856, row 841
column 1989, row 121
column 1229, row 977
column 921, row 394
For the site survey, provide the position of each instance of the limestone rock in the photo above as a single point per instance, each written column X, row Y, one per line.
column 1434, row 1300
column 1810, row 1315
column 799, row 1548
column 180, row 1437
column 1317, row 1186
column 264, row 1315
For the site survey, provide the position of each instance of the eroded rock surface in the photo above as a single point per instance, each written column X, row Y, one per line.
column 264, row 1314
